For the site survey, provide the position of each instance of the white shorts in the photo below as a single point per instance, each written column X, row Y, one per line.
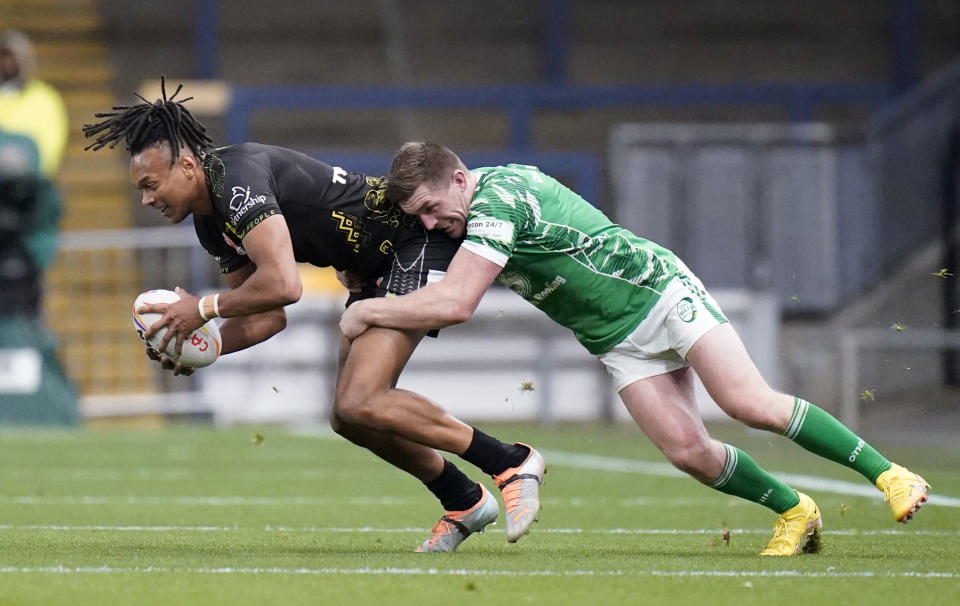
column 684, row 313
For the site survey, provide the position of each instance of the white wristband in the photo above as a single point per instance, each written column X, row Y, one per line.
column 203, row 316
column 216, row 305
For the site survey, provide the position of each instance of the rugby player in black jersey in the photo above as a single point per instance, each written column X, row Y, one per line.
column 260, row 209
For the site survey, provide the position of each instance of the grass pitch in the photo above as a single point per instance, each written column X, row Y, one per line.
column 191, row 515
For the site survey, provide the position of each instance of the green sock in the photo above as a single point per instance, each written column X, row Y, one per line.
column 743, row 478
column 821, row 434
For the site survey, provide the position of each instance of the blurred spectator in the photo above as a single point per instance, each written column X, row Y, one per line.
column 33, row 133
column 29, row 106
column 30, row 209
column 33, row 386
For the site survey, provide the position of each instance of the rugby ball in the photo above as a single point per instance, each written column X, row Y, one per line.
column 201, row 349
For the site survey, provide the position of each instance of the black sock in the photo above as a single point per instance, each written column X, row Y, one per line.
column 455, row 490
column 493, row 456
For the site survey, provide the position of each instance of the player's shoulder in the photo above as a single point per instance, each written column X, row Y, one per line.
column 510, row 175
column 516, row 185
column 226, row 168
column 271, row 158
column 253, row 164
column 234, row 159
column 243, row 153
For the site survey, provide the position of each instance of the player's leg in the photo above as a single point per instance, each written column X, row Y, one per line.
column 420, row 461
column 656, row 386
column 733, row 381
column 665, row 409
column 421, row 256
column 468, row 505
column 365, row 398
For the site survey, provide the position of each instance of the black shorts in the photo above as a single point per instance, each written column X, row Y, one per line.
column 419, row 257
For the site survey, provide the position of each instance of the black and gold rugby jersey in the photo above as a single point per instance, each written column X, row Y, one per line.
column 335, row 217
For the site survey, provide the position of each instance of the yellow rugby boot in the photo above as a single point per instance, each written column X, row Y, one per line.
column 797, row 529
column 904, row 490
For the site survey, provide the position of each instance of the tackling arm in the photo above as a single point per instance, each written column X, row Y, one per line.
column 452, row 300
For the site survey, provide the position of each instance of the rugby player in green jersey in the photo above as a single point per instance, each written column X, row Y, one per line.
column 634, row 305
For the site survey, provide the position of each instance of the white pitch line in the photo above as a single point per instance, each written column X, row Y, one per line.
column 601, row 463
column 123, row 475
column 224, row 501
column 99, row 527
column 554, row 458
column 468, row 572
column 235, row 500
column 103, row 474
column 384, row 501
column 410, row 529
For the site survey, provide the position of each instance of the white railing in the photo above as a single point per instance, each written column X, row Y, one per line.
column 853, row 343
column 138, row 238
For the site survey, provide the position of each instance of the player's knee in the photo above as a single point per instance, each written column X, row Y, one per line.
column 760, row 420
column 760, row 408
column 747, row 413
column 351, row 431
column 767, row 412
column 353, row 407
column 337, row 424
column 691, row 457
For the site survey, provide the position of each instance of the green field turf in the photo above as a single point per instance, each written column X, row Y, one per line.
column 190, row 515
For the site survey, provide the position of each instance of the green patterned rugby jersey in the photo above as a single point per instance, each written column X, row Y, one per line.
column 565, row 256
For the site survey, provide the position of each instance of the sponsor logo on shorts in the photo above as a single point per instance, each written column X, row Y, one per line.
column 687, row 310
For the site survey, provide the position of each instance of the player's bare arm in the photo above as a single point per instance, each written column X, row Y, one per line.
column 450, row 301
column 273, row 283
column 241, row 332
column 236, row 333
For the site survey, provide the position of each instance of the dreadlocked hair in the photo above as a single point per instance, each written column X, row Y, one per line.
column 145, row 124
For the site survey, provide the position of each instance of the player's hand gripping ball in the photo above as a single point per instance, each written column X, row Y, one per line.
column 200, row 349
